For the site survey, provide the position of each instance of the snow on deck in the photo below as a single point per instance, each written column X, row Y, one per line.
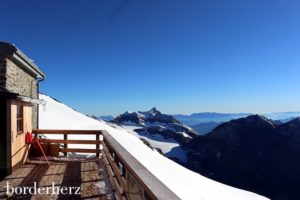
column 183, row 182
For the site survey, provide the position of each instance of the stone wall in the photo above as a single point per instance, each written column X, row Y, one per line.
column 19, row 81
column 2, row 72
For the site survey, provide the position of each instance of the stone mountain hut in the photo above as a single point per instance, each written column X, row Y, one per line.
column 19, row 87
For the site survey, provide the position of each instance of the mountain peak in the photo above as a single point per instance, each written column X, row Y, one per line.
column 259, row 119
column 154, row 110
column 295, row 121
column 292, row 126
column 246, row 147
column 237, row 128
column 256, row 117
column 128, row 112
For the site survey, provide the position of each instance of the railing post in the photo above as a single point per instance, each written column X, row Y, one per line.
column 65, row 144
column 97, row 145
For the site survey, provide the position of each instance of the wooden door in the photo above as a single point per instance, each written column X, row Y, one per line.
column 3, row 132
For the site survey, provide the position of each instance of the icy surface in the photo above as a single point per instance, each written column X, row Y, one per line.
column 156, row 141
column 183, row 182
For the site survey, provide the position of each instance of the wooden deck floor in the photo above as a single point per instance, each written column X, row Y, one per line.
column 88, row 174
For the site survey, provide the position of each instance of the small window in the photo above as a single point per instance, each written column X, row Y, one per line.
column 20, row 128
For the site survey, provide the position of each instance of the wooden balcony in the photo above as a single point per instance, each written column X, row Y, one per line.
column 87, row 174
column 112, row 174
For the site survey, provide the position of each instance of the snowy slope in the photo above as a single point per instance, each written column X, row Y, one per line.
column 185, row 183
column 159, row 142
column 161, row 131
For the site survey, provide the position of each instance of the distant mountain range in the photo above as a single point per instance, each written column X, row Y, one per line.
column 206, row 122
column 206, row 117
column 205, row 127
column 106, row 117
column 251, row 153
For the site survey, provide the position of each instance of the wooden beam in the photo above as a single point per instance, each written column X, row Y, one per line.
column 77, row 132
column 79, row 150
column 65, row 144
column 118, row 189
column 97, row 145
column 71, row 141
column 115, row 168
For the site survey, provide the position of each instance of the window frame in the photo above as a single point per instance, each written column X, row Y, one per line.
column 20, row 119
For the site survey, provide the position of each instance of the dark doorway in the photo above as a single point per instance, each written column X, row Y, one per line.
column 3, row 131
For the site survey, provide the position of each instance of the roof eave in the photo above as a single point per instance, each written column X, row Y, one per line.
column 17, row 55
column 23, row 59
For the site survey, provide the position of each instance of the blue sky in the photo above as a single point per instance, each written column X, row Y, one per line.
column 108, row 56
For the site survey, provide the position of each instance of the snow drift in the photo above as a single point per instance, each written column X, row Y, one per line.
column 183, row 182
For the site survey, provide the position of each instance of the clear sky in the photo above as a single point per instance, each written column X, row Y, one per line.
column 182, row 56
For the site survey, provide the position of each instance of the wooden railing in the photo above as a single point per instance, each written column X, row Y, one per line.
column 66, row 141
column 130, row 179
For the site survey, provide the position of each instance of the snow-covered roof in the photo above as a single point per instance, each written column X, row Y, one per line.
column 184, row 183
